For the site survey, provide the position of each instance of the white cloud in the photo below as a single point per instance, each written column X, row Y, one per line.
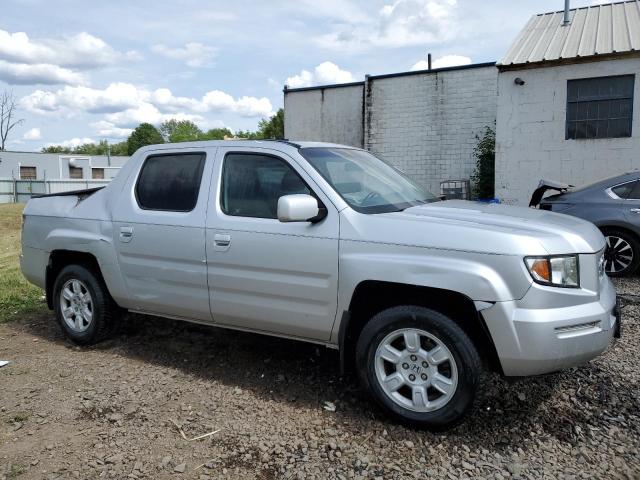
column 163, row 99
column 398, row 24
column 323, row 74
column 109, row 130
column 50, row 61
column 114, row 98
column 80, row 51
column 341, row 10
column 33, row 134
column 442, row 62
column 25, row 74
column 73, row 142
column 146, row 113
column 194, row 54
column 125, row 105
column 118, row 98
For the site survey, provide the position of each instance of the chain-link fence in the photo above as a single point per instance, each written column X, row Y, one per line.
column 20, row 191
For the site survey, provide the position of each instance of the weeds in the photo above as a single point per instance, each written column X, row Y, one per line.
column 17, row 296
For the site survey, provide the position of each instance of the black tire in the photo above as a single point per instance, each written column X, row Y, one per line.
column 613, row 258
column 105, row 313
column 464, row 353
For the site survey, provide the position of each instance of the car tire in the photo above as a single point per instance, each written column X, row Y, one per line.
column 419, row 366
column 619, row 242
column 84, row 309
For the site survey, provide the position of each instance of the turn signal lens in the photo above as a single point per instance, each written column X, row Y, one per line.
column 556, row 270
column 539, row 269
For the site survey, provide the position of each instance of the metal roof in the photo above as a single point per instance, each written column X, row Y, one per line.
column 611, row 28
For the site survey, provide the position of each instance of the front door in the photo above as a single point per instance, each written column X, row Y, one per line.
column 160, row 237
column 263, row 274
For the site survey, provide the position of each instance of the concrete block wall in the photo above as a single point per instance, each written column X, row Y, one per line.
column 330, row 114
column 426, row 123
column 530, row 137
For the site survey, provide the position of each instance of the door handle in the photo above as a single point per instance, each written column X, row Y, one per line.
column 635, row 210
column 221, row 240
column 126, row 234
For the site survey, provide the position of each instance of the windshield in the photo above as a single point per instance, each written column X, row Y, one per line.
column 365, row 182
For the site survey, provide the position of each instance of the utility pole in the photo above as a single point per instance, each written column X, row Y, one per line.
column 108, row 153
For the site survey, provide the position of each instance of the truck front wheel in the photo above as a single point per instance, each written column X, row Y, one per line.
column 419, row 365
column 84, row 309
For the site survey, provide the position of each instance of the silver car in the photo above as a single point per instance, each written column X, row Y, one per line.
column 328, row 244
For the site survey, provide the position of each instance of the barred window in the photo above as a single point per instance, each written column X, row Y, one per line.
column 27, row 173
column 599, row 107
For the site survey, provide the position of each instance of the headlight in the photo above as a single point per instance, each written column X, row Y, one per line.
column 555, row 270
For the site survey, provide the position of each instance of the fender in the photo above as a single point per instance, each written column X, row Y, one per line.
column 96, row 239
column 468, row 274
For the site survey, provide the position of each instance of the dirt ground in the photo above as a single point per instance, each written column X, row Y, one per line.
column 113, row 411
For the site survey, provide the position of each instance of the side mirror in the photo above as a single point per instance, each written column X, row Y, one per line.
column 297, row 208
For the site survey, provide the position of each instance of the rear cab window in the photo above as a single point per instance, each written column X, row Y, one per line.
column 170, row 182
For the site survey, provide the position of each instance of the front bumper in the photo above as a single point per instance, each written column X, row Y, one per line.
column 532, row 341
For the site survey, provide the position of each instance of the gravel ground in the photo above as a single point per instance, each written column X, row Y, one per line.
column 116, row 411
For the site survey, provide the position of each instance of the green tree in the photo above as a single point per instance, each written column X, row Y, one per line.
column 174, row 131
column 119, row 149
column 55, row 149
column 247, row 134
column 101, row 148
column 144, row 134
column 272, row 128
column 483, row 178
column 216, row 134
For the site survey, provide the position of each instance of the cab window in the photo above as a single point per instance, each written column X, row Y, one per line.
column 253, row 183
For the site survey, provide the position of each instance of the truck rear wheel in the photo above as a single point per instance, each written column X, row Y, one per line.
column 419, row 365
column 84, row 309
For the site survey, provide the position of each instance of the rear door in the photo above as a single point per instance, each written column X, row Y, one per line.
column 159, row 233
column 264, row 274
column 631, row 206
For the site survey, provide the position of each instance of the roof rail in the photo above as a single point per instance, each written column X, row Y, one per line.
column 282, row 140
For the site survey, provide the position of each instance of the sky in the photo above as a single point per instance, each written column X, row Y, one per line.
column 83, row 70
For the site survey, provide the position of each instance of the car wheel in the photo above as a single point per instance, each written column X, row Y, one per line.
column 84, row 309
column 419, row 365
column 622, row 253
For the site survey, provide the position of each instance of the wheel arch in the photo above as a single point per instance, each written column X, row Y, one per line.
column 58, row 259
column 619, row 226
column 373, row 296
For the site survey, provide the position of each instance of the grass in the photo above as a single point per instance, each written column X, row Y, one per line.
column 17, row 296
column 15, row 471
column 21, row 417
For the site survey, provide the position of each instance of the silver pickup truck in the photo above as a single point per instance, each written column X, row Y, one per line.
column 328, row 244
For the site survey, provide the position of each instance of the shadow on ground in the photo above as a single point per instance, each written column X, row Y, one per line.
column 307, row 375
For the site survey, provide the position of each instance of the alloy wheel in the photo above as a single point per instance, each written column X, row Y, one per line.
column 618, row 255
column 416, row 370
column 76, row 305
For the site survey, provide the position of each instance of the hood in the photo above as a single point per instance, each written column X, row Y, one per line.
column 473, row 226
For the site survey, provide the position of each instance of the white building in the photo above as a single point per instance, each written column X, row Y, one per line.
column 24, row 174
column 427, row 122
column 53, row 166
column 567, row 108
